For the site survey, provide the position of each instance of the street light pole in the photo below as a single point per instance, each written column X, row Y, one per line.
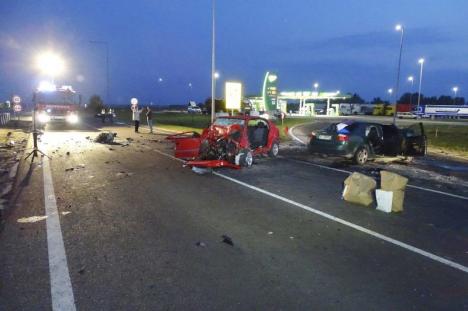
column 398, row 28
column 106, row 45
column 455, row 90
column 421, row 62
column 213, row 68
column 411, row 79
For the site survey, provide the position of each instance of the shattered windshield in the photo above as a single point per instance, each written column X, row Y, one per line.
column 228, row 121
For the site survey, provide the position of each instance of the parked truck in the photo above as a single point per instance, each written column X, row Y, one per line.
column 443, row 111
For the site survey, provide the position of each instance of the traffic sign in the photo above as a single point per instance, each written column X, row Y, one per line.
column 17, row 108
column 16, row 99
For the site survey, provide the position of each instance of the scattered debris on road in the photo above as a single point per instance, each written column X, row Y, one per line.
column 227, row 240
column 69, row 169
column 105, row 138
column 31, row 219
column 202, row 170
column 123, row 174
column 200, row 244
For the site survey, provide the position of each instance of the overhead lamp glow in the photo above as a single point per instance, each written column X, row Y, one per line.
column 216, row 75
column 455, row 89
column 398, row 27
column 410, row 78
column 390, row 91
column 50, row 64
column 421, row 61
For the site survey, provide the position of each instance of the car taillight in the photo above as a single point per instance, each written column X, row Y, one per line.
column 342, row 137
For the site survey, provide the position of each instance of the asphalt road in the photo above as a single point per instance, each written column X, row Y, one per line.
column 142, row 232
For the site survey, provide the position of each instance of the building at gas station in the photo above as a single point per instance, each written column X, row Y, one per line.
column 274, row 100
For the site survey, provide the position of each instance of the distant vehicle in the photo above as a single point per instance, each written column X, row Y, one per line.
column 361, row 141
column 443, row 111
column 193, row 108
column 230, row 141
column 349, row 109
column 54, row 104
column 407, row 115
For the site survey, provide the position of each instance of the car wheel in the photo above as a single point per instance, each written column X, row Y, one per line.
column 361, row 156
column 246, row 158
column 273, row 153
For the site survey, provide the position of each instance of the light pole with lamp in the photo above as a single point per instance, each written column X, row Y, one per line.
column 316, row 85
column 397, row 86
column 390, row 92
column 455, row 90
column 411, row 79
column 421, row 62
column 106, row 45
column 213, row 54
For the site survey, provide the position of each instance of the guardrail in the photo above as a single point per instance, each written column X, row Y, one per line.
column 4, row 117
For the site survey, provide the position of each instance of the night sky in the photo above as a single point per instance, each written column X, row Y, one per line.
column 343, row 45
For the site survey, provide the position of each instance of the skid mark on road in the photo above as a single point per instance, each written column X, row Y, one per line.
column 340, row 221
column 60, row 283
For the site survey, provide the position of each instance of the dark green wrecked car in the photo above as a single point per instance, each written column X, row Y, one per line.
column 362, row 141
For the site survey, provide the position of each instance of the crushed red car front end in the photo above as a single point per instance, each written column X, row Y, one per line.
column 228, row 142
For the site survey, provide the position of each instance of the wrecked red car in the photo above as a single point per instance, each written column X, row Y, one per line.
column 231, row 141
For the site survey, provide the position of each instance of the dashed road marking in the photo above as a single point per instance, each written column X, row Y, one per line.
column 340, row 221
column 60, row 283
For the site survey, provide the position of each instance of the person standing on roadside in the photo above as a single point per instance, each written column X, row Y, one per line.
column 149, row 118
column 103, row 115
column 136, row 117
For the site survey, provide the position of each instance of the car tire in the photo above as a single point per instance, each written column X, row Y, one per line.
column 246, row 158
column 361, row 156
column 273, row 153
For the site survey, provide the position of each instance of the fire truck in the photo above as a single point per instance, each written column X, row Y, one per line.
column 57, row 104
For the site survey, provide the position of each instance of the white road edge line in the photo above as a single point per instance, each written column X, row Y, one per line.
column 60, row 283
column 291, row 133
column 351, row 225
column 349, row 172
column 341, row 221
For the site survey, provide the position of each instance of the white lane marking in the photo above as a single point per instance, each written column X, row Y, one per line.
column 341, row 221
column 409, row 186
column 351, row 225
column 60, row 283
column 291, row 133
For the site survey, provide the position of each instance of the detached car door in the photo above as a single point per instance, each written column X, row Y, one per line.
column 416, row 140
column 187, row 148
